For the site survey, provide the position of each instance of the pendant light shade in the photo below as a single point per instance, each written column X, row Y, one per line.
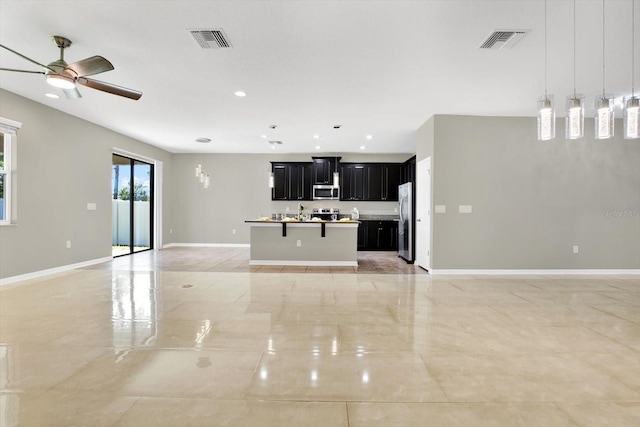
column 546, row 105
column 631, row 119
column 574, row 118
column 546, row 118
column 574, row 121
column 604, row 119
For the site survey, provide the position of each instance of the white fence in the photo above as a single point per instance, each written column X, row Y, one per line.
column 120, row 223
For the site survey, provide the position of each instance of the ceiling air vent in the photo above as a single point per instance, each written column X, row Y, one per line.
column 500, row 39
column 211, row 39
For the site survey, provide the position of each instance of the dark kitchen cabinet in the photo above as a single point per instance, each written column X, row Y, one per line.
column 292, row 181
column 323, row 169
column 382, row 180
column 363, row 231
column 280, row 190
column 409, row 170
column 378, row 236
column 352, row 181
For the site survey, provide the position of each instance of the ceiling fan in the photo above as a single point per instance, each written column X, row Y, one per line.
column 67, row 76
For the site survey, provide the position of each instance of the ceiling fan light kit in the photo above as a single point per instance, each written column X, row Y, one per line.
column 60, row 81
column 66, row 76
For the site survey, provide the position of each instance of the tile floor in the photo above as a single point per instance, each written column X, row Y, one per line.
column 196, row 337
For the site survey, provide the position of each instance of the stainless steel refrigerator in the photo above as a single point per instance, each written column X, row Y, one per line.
column 405, row 223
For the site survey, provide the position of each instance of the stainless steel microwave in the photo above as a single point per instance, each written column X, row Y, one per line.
column 326, row 192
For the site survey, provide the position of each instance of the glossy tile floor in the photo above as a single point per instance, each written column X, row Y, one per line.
column 153, row 340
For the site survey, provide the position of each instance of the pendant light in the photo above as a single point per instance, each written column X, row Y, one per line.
column 604, row 119
column 574, row 119
column 203, row 177
column 631, row 119
column 546, row 110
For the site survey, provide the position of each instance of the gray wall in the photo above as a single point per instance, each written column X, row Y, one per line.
column 239, row 191
column 532, row 200
column 63, row 163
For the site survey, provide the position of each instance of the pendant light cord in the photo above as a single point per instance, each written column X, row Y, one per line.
column 545, row 50
column 633, row 38
column 574, row 48
column 603, row 50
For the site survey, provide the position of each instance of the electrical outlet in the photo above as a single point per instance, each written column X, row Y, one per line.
column 298, row 243
column 68, row 244
column 287, row 209
column 171, row 231
column 233, row 231
column 576, row 249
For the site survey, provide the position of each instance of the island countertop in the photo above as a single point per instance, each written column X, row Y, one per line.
column 295, row 221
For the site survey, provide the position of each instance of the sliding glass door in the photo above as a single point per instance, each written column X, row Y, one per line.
column 132, row 205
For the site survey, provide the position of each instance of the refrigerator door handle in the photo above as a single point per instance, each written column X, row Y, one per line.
column 400, row 209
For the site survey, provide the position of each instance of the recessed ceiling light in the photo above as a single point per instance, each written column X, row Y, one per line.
column 362, row 147
column 52, row 95
column 203, row 140
column 317, row 147
column 316, row 136
column 369, row 137
column 273, row 147
column 240, row 93
column 263, row 136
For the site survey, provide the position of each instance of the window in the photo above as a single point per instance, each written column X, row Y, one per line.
column 8, row 130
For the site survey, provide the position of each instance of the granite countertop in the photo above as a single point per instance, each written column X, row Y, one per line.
column 273, row 221
column 366, row 217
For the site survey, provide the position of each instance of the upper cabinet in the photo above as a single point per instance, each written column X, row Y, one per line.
column 370, row 181
column 292, row 180
column 382, row 181
column 352, row 177
column 358, row 181
column 323, row 169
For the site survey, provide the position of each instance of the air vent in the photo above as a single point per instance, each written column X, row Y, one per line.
column 501, row 39
column 211, row 39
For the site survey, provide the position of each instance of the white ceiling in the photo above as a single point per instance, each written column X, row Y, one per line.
column 374, row 67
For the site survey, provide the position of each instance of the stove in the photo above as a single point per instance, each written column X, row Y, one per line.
column 327, row 214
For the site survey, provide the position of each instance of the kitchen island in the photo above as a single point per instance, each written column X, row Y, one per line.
column 304, row 243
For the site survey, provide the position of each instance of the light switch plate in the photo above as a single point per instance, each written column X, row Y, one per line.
column 465, row 209
column 441, row 208
column 91, row 206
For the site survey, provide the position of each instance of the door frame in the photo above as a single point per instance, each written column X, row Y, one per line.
column 156, row 207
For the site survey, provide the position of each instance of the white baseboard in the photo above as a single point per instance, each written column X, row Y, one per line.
column 207, row 245
column 535, row 272
column 305, row 263
column 41, row 273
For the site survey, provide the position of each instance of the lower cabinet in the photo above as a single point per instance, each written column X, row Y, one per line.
column 378, row 236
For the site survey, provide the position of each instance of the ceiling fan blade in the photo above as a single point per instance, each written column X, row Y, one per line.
column 90, row 66
column 110, row 88
column 72, row 93
column 21, row 71
column 25, row 57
